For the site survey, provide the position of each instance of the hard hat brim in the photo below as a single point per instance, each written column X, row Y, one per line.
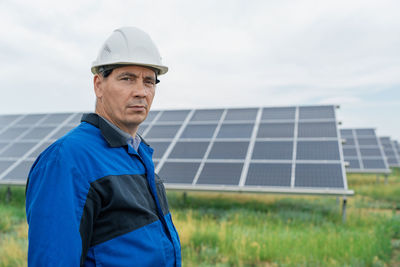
column 159, row 68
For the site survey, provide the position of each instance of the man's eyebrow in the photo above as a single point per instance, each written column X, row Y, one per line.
column 130, row 74
column 127, row 74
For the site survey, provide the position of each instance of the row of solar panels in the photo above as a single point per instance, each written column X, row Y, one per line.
column 283, row 149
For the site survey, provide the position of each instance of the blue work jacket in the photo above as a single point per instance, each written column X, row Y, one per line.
column 93, row 200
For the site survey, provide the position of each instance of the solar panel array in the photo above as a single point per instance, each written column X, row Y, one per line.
column 285, row 149
column 390, row 150
column 279, row 149
column 363, row 151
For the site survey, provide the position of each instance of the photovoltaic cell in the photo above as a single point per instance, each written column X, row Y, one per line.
column 189, row 150
column 159, row 148
column 370, row 152
column 281, row 113
column 17, row 149
column 55, row 119
column 350, row 152
column 365, row 132
column 248, row 114
column 12, row 133
column 318, row 150
column 349, row 141
column 179, row 172
column 317, row 112
column 21, row 171
column 31, row 119
column 207, row 115
column 38, row 133
column 243, row 130
column 317, row 129
column 373, row 164
column 199, row 131
column 367, row 141
column 273, row 150
column 61, row 132
column 277, row 130
column 354, row 163
column 163, row 131
column 269, row 174
column 151, row 116
column 8, row 119
column 4, row 164
column 141, row 129
column 174, row 115
column 221, row 173
column 76, row 119
column 346, row 132
column 319, row 175
column 228, row 150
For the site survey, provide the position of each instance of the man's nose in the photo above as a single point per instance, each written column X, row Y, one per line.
column 140, row 89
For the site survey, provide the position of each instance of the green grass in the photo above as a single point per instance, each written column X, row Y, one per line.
column 237, row 229
column 13, row 228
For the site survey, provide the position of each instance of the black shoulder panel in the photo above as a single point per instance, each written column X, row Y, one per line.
column 116, row 205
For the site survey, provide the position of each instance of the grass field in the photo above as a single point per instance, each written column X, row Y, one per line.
column 232, row 229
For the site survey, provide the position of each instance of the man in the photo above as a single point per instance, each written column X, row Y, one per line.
column 93, row 198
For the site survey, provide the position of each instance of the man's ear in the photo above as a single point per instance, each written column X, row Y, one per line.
column 98, row 85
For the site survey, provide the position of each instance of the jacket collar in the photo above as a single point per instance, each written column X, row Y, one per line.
column 113, row 137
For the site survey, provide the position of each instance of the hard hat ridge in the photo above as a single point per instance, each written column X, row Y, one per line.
column 129, row 46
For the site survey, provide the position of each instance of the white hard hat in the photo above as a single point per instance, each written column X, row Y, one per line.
column 129, row 46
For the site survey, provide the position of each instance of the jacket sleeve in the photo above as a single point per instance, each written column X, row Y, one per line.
column 55, row 198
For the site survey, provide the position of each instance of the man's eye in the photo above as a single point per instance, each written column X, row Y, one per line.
column 126, row 79
column 150, row 82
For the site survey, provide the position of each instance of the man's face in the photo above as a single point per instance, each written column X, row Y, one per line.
column 125, row 96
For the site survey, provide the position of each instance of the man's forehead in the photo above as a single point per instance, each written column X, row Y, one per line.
column 145, row 71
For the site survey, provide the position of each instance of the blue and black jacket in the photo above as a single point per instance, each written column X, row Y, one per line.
column 93, row 200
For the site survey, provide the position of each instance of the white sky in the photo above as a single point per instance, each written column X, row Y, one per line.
column 220, row 54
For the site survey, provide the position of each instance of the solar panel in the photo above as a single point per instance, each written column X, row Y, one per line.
column 279, row 149
column 363, row 151
column 390, row 151
column 268, row 149
column 24, row 137
column 397, row 146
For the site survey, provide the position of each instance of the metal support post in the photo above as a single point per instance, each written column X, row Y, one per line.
column 386, row 178
column 8, row 195
column 184, row 197
column 344, row 210
column 377, row 178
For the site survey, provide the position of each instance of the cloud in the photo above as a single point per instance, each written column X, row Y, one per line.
column 220, row 53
